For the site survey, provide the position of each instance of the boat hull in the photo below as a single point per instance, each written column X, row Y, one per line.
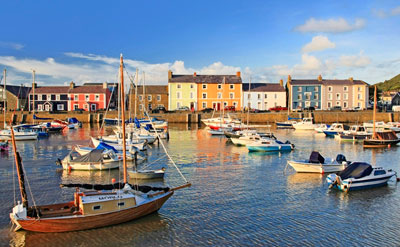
column 272, row 148
column 147, row 174
column 316, row 168
column 349, row 185
column 373, row 143
column 82, row 222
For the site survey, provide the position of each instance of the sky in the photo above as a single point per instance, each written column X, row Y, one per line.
column 81, row 41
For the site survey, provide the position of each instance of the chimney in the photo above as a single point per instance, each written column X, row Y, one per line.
column 281, row 83
column 319, row 78
column 194, row 74
column 71, row 85
column 105, row 85
column 289, row 78
column 169, row 74
column 351, row 79
column 238, row 74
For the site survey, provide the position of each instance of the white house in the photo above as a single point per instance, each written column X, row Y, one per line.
column 263, row 96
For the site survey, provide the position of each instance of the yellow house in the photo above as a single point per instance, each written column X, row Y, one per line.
column 182, row 91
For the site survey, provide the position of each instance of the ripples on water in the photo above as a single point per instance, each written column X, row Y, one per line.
column 237, row 198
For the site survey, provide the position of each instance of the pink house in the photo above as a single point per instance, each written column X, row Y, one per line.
column 88, row 97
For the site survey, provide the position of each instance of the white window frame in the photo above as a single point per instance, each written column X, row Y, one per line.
column 202, row 95
column 219, row 86
column 315, row 89
column 97, row 97
column 337, row 103
column 86, row 106
column 57, row 97
column 345, row 96
column 299, row 97
column 76, row 97
column 93, row 108
column 60, row 107
column 232, row 86
column 265, row 96
column 87, row 97
column 192, row 95
column 359, row 96
column 140, row 97
column 46, row 107
column 178, row 85
column 338, row 96
column 329, row 96
column 40, row 107
column 231, row 95
column 299, row 89
column 219, row 95
column 48, row 97
column 258, row 96
column 329, row 104
column 140, row 107
column 204, row 105
column 178, row 95
column 149, row 98
column 76, row 106
column 329, row 89
column 191, row 86
column 345, row 88
column 204, row 86
column 248, row 95
column 40, row 97
column 159, row 97
column 345, row 105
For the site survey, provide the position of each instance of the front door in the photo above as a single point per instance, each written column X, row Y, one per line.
column 47, row 108
column 93, row 107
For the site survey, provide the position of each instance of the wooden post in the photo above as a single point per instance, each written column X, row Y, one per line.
column 20, row 171
column 121, row 71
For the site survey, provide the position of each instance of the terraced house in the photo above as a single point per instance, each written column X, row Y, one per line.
column 263, row 96
column 204, row 91
column 325, row 94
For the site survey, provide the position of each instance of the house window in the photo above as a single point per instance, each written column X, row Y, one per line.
column 140, row 107
column 329, row 104
column 265, row 96
column 308, row 96
column 338, row 103
column 338, row 96
column 60, row 107
column 76, row 106
column 204, row 86
column 178, row 95
column 231, row 86
column 329, row 89
column 140, row 97
column 149, row 107
column 204, row 95
column 248, row 96
column 57, row 97
column 345, row 96
column 178, row 85
column 191, row 95
column 359, row 96
column 315, row 89
column 315, row 96
column 121, row 204
column 97, row 97
column 298, row 89
column 48, row 97
column 359, row 89
column 258, row 96
column 359, row 104
column 345, row 104
column 191, row 86
column 76, row 97
column 178, row 104
column 345, row 88
column 159, row 97
column 259, row 105
column 299, row 97
column 265, row 105
column 276, row 96
column 235, row 104
column 87, row 97
column 86, row 106
column 40, row 107
column 225, row 104
column 40, row 97
column 316, row 104
column 47, row 108
column 219, row 95
column 231, row 95
column 219, row 86
column 97, row 207
column 149, row 97
column 329, row 96
column 204, row 105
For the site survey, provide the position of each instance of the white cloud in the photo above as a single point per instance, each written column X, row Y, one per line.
column 339, row 25
column 97, row 68
column 395, row 11
column 11, row 45
column 383, row 14
column 359, row 60
column 318, row 43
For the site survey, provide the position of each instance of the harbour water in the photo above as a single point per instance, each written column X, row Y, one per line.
column 237, row 198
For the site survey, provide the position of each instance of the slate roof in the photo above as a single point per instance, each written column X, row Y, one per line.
column 66, row 89
column 153, row 89
column 263, row 87
column 88, row 89
column 229, row 79
column 20, row 91
column 326, row 82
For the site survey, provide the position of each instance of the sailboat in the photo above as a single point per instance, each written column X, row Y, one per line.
column 89, row 209
column 380, row 139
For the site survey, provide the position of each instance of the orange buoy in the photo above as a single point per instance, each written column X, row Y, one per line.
column 389, row 146
column 113, row 180
column 69, row 168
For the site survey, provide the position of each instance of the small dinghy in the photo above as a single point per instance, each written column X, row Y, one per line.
column 318, row 164
column 147, row 174
column 359, row 175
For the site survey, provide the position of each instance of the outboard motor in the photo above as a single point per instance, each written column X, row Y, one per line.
column 340, row 158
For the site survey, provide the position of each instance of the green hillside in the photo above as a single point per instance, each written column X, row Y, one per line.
column 392, row 84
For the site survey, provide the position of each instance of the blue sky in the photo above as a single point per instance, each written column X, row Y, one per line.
column 81, row 41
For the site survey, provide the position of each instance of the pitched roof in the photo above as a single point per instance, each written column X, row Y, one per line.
column 153, row 89
column 88, row 89
column 229, row 79
column 327, row 82
column 20, row 91
column 67, row 89
column 50, row 89
column 263, row 87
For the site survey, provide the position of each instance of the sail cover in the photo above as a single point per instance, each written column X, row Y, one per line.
column 316, row 158
column 104, row 145
column 356, row 170
column 96, row 155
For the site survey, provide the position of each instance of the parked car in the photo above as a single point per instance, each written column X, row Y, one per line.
column 183, row 108
column 159, row 109
column 298, row 109
column 205, row 110
column 230, row 108
column 335, row 108
column 278, row 108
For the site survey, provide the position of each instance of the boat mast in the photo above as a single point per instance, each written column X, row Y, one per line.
column 222, row 101
column 33, row 92
column 121, row 71
column 5, row 97
column 20, row 171
column 144, row 94
column 136, row 86
column 374, row 116
column 248, row 108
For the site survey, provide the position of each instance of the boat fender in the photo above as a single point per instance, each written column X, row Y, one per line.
column 338, row 180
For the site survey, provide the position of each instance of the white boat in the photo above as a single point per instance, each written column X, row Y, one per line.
column 356, row 133
column 246, row 139
column 133, row 137
column 118, row 146
column 147, row 174
column 83, row 150
column 20, row 135
column 319, row 128
column 359, row 175
column 269, row 145
column 217, row 120
column 335, row 128
column 97, row 159
column 305, row 124
column 318, row 164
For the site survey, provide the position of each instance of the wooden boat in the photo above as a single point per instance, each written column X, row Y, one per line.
column 91, row 209
column 359, row 175
column 318, row 164
column 380, row 139
column 147, row 174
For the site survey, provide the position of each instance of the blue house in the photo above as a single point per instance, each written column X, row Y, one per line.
column 304, row 93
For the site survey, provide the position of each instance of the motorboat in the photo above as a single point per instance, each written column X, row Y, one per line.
column 269, row 145
column 319, row 128
column 141, row 146
column 19, row 133
column 147, row 174
column 285, row 125
column 304, row 124
column 335, row 128
column 359, row 175
column 356, row 133
column 97, row 159
column 318, row 164
column 217, row 120
column 245, row 139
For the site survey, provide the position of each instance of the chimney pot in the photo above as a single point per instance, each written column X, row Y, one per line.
column 289, row 78
column 238, row 74
column 351, row 79
column 169, row 74
column 71, row 85
column 281, row 83
column 319, row 78
column 194, row 74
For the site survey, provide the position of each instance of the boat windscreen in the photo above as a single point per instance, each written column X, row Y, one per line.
column 356, row 170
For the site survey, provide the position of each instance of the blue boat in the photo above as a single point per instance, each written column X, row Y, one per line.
column 335, row 129
column 269, row 145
